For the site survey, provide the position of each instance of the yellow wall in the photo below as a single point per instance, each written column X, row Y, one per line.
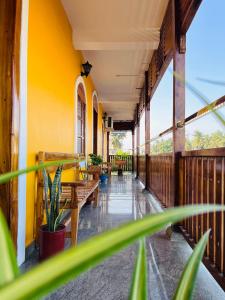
column 53, row 66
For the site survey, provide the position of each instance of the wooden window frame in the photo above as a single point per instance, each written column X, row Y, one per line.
column 82, row 117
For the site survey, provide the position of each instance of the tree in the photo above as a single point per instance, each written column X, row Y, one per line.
column 117, row 140
column 197, row 142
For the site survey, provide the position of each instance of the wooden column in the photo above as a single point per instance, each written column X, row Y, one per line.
column 107, row 146
column 133, row 150
column 147, row 131
column 137, row 143
column 179, row 48
column 10, row 28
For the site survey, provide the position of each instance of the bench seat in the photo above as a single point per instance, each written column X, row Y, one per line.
column 73, row 196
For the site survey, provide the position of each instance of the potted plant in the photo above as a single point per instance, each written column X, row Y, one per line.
column 96, row 160
column 103, row 176
column 52, row 234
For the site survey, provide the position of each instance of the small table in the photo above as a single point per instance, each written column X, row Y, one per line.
column 120, row 163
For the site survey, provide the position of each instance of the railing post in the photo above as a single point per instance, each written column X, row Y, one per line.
column 179, row 48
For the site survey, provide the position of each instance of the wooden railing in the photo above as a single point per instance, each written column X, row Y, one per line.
column 142, row 168
column 193, row 177
column 129, row 162
column 160, row 179
column 202, row 181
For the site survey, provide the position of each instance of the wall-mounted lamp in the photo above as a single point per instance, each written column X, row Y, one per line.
column 87, row 69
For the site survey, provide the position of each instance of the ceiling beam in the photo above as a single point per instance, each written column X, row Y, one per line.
column 96, row 46
column 124, row 125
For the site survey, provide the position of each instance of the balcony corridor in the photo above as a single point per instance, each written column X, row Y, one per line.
column 120, row 201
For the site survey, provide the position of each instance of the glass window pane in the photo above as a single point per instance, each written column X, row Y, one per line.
column 79, row 107
column 79, row 129
column 79, row 145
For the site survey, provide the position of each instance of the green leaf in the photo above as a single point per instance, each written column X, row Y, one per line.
column 74, row 261
column 8, row 263
column 139, row 288
column 47, row 183
column 187, row 281
column 55, row 192
column 8, row 176
column 202, row 97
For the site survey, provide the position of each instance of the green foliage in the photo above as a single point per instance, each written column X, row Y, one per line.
column 52, row 193
column 96, row 159
column 8, row 263
column 188, row 278
column 122, row 153
column 205, row 141
column 8, row 176
column 163, row 146
column 197, row 142
column 139, row 288
column 72, row 262
column 117, row 139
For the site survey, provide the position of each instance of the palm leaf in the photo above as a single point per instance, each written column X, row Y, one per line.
column 72, row 262
column 8, row 264
column 10, row 175
column 139, row 289
column 187, row 281
column 215, row 82
column 202, row 97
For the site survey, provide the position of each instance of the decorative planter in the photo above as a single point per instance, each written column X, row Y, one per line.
column 51, row 242
column 103, row 178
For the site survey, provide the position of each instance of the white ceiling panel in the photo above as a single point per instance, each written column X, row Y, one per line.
column 118, row 38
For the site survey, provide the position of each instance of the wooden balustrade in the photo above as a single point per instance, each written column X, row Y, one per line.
column 160, row 177
column 129, row 162
column 200, row 180
column 142, row 168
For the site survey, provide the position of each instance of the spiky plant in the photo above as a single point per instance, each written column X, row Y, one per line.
column 52, row 193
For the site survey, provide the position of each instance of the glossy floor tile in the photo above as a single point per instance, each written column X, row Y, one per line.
column 122, row 200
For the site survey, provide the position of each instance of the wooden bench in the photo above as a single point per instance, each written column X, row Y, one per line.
column 74, row 194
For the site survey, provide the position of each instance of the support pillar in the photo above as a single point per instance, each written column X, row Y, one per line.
column 138, row 148
column 179, row 49
column 107, row 147
column 147, row 132
column 133, row 150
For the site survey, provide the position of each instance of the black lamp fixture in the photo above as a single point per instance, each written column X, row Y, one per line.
column 87, row 69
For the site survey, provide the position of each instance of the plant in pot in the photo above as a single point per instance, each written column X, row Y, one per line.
column 96, row 160
column 52, row 234
column 103, row 176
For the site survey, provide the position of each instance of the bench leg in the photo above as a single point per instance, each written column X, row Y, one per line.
column 39, row 215
column 96, row 201
column 74, row 225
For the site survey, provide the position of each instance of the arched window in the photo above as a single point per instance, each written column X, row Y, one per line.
column 81, row 120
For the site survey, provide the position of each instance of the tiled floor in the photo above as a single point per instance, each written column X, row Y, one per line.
column 120, row 201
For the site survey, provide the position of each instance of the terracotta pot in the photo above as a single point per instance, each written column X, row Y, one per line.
column 51, row 242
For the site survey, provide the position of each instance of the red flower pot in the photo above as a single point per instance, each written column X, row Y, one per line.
column 51, row 242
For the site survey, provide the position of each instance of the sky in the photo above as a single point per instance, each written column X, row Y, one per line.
column 205, row 58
